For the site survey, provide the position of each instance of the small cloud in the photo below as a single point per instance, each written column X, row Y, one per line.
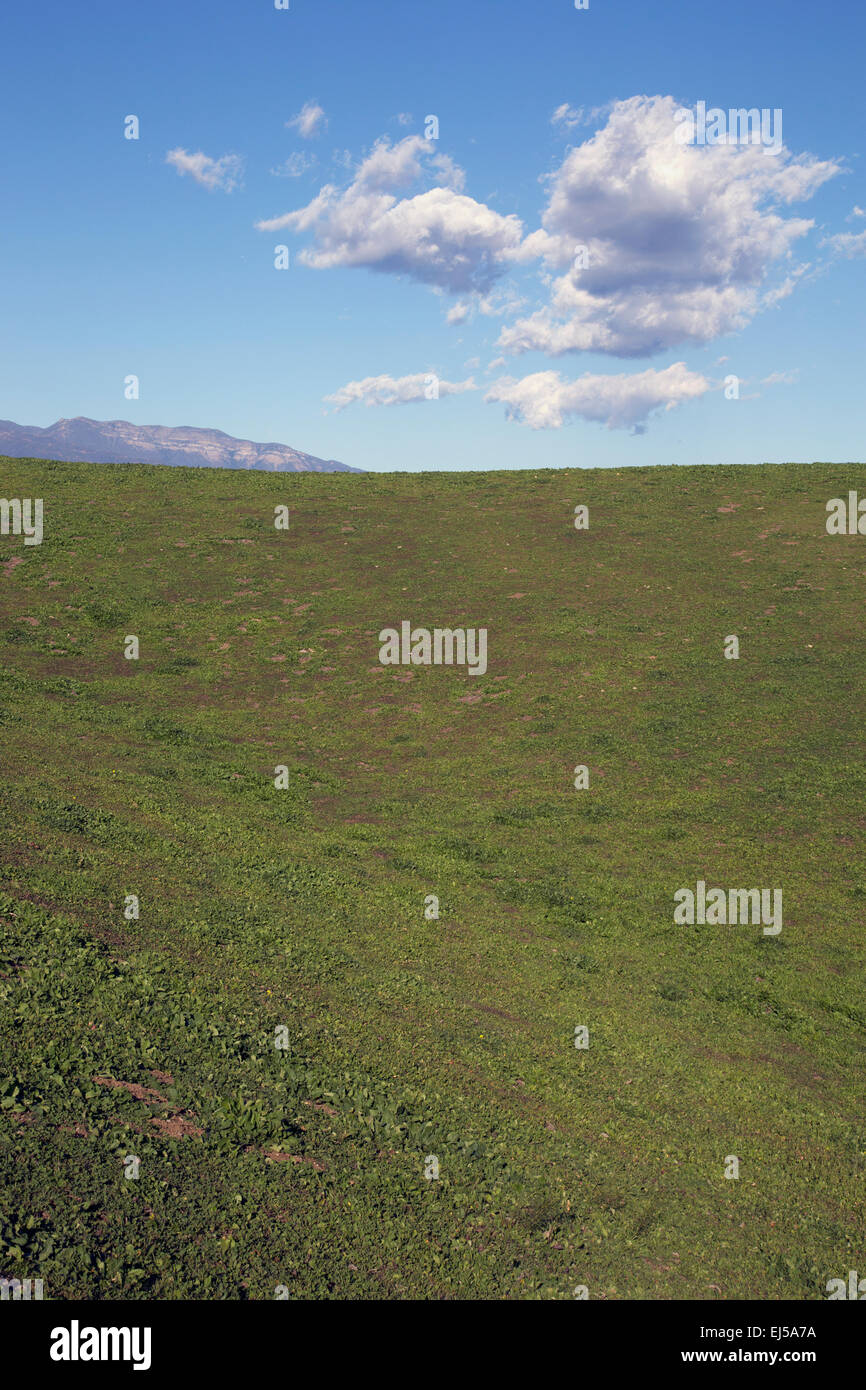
column 310, row 120
column 224, row 173
column 847, row 244
column 855, row 212
column 389, row 390
column 404, row 118
column 492, row 305
column 505, row 301
column 567, row 116
column 780, row 378
column 570, row 117
column 780, row 292
column 296, row 165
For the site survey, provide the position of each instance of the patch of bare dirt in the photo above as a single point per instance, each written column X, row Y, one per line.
column 175, row 1126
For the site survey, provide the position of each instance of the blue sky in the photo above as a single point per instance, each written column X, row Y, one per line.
column 147, row 256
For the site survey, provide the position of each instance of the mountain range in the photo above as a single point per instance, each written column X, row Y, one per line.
column 117, row 441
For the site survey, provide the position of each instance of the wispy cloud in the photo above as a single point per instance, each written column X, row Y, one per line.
column 296, row 165
column 493, row 305
column 847, row 244
column 781, row 378
column 224, row 173
column 310, row 120
column 403, row 390
column 567, row 116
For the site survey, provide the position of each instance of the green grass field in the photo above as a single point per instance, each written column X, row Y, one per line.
column 302, row 1169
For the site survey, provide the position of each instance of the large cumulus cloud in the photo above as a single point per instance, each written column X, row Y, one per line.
column 651, row 243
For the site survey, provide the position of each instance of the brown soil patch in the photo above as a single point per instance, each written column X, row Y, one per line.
column 274, row 1156
column 320, row 1105
column 176, row 1127
column 145, row 1093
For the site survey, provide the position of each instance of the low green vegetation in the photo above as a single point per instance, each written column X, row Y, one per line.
column 301, row 1169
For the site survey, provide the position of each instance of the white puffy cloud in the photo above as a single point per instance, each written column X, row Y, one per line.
column 544, row 400
column 440, row 237
column 224, row 173
column 309, row 121
column 652, row 242
column 389, row 390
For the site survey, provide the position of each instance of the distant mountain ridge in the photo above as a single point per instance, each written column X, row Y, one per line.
column 117, row 441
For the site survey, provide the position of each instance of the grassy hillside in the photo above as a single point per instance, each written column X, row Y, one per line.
column 304, row 908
